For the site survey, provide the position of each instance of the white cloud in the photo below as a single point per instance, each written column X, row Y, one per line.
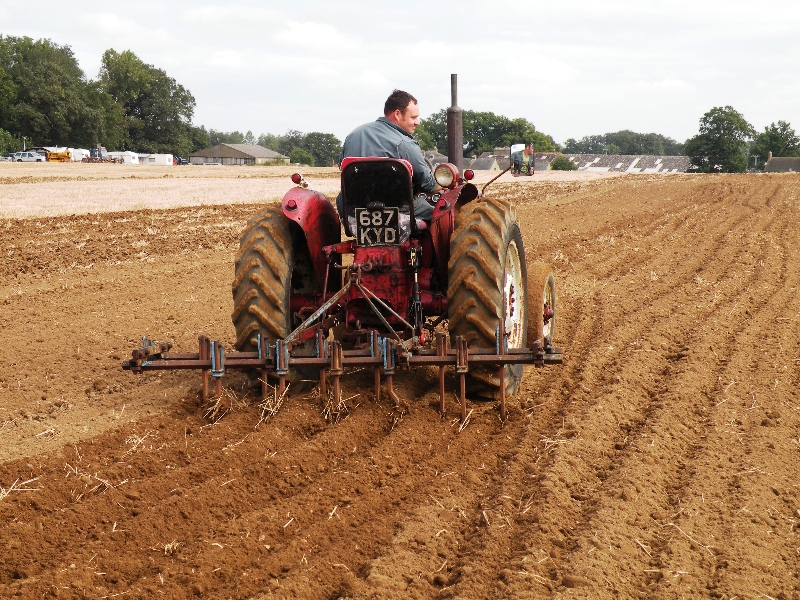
column 227, row 59
column 672, row 84
column 232, row 21
column 315, row 37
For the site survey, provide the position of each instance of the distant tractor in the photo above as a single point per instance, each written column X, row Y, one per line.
column 64, row 156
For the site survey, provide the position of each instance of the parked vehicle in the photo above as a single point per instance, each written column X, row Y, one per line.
column 29, row 157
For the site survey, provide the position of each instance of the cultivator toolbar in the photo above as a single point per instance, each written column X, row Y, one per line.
column 383, row 354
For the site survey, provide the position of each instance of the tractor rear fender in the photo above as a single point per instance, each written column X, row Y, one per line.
column 317, row 217
column 443, row 222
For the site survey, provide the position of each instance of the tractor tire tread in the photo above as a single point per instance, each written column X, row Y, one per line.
column 259, row 274
column 475, row 290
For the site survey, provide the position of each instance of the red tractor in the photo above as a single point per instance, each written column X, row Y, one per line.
column 307, row 304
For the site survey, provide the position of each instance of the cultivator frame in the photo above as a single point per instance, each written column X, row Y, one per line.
column 385, row 354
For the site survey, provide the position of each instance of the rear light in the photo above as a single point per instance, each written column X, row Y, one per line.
column 469, row 174
column 446, row 175
column 297, row 178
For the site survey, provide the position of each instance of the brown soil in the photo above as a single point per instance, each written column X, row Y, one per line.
column 660, row 460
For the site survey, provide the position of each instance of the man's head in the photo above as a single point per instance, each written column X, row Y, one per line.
column 528, row 150
column 401, row 109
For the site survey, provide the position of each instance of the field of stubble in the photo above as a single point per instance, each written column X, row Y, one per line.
column 660, row 460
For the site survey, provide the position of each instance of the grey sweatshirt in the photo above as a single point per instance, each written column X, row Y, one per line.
column 384, row 138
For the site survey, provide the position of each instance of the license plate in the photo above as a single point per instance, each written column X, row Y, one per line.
column 377, row 227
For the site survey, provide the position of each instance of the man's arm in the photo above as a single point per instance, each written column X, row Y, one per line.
column 422, row 177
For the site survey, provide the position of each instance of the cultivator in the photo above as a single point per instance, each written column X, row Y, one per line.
column 382, row 354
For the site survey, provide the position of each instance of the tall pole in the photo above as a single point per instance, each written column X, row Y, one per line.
column 455, row 131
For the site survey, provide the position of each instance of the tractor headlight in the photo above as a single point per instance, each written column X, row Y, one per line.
column 446, row 175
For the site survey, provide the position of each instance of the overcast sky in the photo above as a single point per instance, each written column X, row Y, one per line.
column 573, row 68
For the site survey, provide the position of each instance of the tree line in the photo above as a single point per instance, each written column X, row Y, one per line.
column 483, row 132
column 624, row 142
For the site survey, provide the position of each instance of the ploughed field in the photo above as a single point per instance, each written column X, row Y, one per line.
column 660, row 460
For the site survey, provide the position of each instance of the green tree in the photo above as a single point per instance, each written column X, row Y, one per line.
column 720, row 146
column 563, row 163
column 289, row 141
column 624, row 142
column 485, row 131
column 8, row 143
column 158, row 110
column 300, row 156
column 425, row 139
column 269, row 140
column 780, row 139
column 590, row 144
column 44, row 95
column 200, row 138
column 225, row 137
column 324, row 147
column 8, row 97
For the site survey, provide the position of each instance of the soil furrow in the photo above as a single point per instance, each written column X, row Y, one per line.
column 617, row 442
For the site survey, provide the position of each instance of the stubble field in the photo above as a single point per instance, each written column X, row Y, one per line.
column 660, row 460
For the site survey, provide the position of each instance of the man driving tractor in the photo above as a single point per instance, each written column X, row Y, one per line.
column 391, row 136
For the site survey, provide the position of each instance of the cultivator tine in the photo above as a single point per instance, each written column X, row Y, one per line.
column 217, row 365
column 336, row 369
column 322, row 345
column 204, row 353
column 441, row 350
column 391, row 392
column 462, row 367
column 375, row 350
column 389, row 364
column 281, row 364
column 263, row 354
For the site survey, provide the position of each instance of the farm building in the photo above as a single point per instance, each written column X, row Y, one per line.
column 615, row 163
column 497, row 160
column 237, row 154
column 482, row 163
column 485, row 162
column 782, row 164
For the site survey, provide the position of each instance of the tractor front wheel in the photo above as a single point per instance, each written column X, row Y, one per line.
column 272, row 263
column 488, row 284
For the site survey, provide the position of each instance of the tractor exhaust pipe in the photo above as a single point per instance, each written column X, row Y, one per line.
column 455, row 128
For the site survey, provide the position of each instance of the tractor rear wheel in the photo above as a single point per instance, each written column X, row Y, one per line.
column 487, row 283
column 272, row 263
column 541, row 304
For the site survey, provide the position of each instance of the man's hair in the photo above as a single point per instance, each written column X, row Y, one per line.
column 398, row 100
